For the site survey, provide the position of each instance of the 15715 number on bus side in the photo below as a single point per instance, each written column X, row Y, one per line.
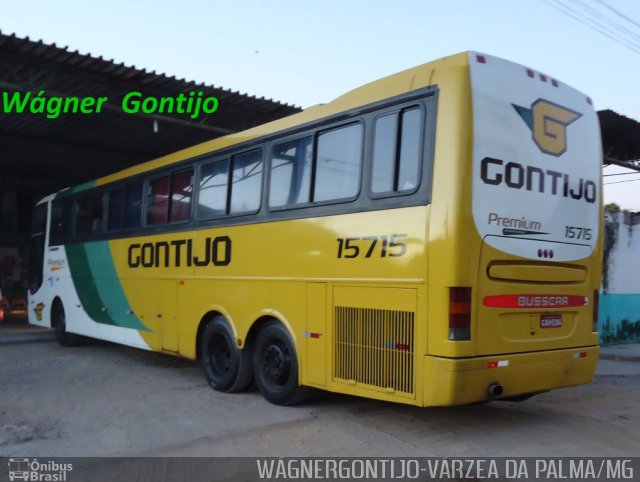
column 371, row 246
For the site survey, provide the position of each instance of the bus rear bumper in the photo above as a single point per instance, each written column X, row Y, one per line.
column 452, row 381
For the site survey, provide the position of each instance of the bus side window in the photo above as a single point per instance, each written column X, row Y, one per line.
column 290, row 179
column 115, row 210
column 60, row 230
column 246, row 182
column 133, row 206
column 396, row 151
column 89, row 216
column 338, row 163
column 124, row 209
column 158, row 201
column 181, row 189
column 212, row 194
column 169, row 198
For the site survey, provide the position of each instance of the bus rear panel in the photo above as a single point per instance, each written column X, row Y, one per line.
column 527, row 321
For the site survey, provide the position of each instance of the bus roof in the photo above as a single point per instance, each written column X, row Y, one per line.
column 395, row 84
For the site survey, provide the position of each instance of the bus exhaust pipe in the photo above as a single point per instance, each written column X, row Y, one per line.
column 495, row 390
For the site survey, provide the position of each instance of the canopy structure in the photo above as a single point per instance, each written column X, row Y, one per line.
column 620, row 140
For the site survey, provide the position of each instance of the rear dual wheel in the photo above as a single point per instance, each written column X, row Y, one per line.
column 271, row 360
column 275, row 365
column 226, row 367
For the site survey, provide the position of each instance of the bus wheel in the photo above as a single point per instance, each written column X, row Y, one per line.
column 275, row 366
column 227, row 368
column 59, row 322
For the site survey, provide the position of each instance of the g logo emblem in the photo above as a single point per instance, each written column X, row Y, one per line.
column 38, row 311
column 548, row 123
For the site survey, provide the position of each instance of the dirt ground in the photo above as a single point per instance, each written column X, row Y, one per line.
column 102, row 399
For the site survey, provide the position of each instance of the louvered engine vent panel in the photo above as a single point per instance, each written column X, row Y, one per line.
column 374, row 347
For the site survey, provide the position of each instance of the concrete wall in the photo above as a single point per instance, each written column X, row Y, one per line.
column 619, row 311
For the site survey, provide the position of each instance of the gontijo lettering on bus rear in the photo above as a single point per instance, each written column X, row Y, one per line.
column 518, row 176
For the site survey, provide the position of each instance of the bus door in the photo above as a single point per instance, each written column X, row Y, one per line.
column 36, row 247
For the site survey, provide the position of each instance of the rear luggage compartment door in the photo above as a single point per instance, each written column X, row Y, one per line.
column 526, row 305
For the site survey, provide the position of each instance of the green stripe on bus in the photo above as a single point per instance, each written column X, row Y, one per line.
column 84, row 283
column 108, row 284
column 95, row 279
column 82, row 187
column 75, row 189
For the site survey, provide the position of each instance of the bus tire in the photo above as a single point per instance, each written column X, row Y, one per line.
column 275, row 366
column 59, row 322
column 226, row 367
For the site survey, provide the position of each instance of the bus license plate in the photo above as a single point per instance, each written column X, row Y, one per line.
column 551, row 321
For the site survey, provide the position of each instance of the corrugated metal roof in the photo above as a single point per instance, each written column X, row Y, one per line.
column 620, row 139
column 75, row 147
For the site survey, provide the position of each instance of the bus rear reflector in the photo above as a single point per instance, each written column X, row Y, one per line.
column 556, row 300
column 497, row 363
column 459, row 313
column 594, row 323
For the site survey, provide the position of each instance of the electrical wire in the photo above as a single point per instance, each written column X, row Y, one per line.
column 618, row 13
column 620, row 182
column 613, row 23
column 621, row 174
column 593, row 21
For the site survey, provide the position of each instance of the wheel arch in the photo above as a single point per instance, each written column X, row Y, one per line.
column 54, row 302
column 260, row 319
column 206, row 318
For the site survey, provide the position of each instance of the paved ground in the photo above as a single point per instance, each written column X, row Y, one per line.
column 108, row 400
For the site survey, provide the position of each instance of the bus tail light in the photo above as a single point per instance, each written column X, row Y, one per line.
column 459, row 313
column 594, row 321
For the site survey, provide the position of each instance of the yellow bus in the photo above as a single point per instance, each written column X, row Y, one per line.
column 430, row 238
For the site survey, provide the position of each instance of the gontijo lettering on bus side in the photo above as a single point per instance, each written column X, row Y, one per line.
column 214, row 251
